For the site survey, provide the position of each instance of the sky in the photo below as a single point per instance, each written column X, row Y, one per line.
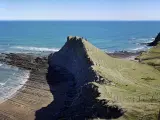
column 79, row 10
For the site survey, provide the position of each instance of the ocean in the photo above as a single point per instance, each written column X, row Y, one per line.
column 50, row 36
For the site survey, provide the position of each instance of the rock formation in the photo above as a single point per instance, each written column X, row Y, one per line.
column 156, row 41
column 151, row 56
column 104, row 87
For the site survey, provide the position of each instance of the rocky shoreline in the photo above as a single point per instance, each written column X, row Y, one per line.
column 34, row 95
column 35, row 89
column 51, row 91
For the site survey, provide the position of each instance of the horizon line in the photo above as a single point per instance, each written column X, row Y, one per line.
column 79, row 20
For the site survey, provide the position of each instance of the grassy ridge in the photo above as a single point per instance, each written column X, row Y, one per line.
column 151, row 57
column 122, row 84
column 135, row 86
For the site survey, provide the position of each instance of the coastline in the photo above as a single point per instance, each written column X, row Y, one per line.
column 13, row 91
column 125, row 55
column 35, row 93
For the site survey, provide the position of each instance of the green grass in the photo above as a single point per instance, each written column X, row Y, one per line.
column 135, row 86
column 151, row 57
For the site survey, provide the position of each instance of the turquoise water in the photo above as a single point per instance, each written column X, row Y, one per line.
column 48, row 36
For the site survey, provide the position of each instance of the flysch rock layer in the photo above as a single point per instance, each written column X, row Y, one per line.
column 34, row 95
column 106, row 87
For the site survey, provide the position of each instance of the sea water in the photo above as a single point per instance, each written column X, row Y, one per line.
column 11, row 79
column 50, row 36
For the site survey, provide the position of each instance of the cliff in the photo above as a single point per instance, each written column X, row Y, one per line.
column 105, row 87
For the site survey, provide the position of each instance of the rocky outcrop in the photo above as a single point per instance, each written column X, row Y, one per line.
column 73, row 58
column 104, row 87
column 156, row 41
column 152, row 55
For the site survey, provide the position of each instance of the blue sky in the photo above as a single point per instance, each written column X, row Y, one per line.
column 79, row 10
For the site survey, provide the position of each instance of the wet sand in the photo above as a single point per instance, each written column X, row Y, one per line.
column 34, row 95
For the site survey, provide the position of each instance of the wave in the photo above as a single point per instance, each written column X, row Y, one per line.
column 1, row 64
column 40, row 49
column 141, row 48
column 8, row 67
column 142, row 40
column 9, row 88
column 1, row 84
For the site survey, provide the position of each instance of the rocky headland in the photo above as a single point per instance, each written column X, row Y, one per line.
column 106, row 87
column 156, row 41
column 82, row 82
column 152, row 56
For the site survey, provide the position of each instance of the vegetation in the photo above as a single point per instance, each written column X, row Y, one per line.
column 151, row 57
column 135, row 87
column 119, row 84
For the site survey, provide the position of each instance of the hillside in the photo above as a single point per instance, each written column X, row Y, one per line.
column 151, row 57
column 106, row 87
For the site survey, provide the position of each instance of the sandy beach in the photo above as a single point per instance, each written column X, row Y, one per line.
column 34, row 95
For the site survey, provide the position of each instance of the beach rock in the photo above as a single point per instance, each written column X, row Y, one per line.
column 124, row 54
column 156, row 41
column 38, row 59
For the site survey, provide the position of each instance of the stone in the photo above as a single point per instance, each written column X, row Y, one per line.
column 156, row 41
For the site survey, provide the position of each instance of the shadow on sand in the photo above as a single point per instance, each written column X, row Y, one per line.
column 58, row 81
column 62, row 84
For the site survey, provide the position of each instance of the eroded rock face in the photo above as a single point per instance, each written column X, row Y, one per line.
column 74, row 59
column 156, row 41
column 102, row 87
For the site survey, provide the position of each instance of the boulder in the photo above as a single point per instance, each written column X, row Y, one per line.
column 156, row 41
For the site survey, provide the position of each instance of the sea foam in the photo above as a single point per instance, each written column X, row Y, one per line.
column 140, row 48
column 40, row 49
column 13, row 82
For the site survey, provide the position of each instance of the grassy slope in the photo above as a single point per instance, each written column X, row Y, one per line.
column 151, row 57
column 135, row 86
